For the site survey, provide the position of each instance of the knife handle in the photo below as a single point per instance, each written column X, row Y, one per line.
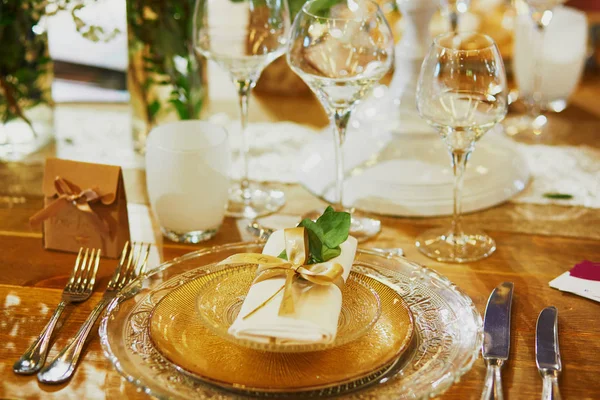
column 550, row 388
column 492, row 390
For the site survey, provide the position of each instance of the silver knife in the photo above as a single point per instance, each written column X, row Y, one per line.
column 547, row 354
column 496, row 339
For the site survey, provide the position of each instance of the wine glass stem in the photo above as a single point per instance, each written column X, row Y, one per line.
column 459, row 164
column 340, row 122
column 536, row 97
column 244, row 88
column 454, row 21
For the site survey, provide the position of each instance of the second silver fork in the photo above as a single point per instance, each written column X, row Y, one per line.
column 130, row 267
column 78, row 289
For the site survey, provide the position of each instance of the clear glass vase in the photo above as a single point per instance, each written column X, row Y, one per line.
column 26, row 107
column 165, row 80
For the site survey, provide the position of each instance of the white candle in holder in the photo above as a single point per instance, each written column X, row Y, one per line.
column 187, row 169
column 562, row 56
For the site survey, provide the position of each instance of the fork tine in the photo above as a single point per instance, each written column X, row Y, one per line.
column 127, row 271
column 92, row 281
column 81, row 271
column 142, row 265
column 136, row 261
column 87, row 272
column 117, row 274
column 75, row 271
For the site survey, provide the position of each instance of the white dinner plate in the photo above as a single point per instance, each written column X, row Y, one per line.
column 411, row 175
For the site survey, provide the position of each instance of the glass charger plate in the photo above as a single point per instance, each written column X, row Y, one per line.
column 448, row 330
column 181, row 337
column 219, row 301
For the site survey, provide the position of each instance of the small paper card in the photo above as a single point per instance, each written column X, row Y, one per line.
column 84, row 206
column 583, row 280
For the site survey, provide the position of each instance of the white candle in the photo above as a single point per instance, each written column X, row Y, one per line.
column 562, row 54
column 187, row 168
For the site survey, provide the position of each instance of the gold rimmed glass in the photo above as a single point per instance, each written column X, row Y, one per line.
column 443, row 349
column 462, row 93
column 243, row 37
column 220, row 300
column 341, row 50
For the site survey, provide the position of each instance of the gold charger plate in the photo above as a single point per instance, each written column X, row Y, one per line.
column 182, row 338
column 220, row 300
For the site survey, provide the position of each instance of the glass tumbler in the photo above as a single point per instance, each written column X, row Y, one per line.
column 187, row 175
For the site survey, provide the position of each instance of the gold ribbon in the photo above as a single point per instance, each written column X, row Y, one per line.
column 68, row 193
column 296, row 248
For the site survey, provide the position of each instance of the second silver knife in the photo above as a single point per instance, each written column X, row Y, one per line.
column 547, row 353
column 496, row 339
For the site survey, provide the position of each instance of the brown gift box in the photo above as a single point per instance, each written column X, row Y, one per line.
column 68, row 227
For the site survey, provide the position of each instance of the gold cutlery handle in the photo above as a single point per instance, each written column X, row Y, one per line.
column 35, row 356
column 492, row 390
column 63, row 366
column 550, row 387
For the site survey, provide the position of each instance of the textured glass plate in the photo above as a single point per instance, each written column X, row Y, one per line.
column 178, row 333
column 219, row 301
column 448, row 331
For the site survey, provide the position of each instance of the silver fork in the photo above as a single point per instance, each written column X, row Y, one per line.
column 130, row 268
column 78, row 289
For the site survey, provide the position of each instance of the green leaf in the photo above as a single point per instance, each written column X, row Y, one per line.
column 316, row 239
column 326, row 235
column 322, row 8
column 328, row 253
column 558, row 196
column 182, row 111
column 153, row 107
column 283, row 255
column 335, row 226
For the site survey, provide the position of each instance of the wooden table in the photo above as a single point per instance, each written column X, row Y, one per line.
column 532, row 250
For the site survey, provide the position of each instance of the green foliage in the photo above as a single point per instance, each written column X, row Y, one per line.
column 322, row 7
column 162, row 31
column 558, row 196
column 326, row 234
column 24, row 62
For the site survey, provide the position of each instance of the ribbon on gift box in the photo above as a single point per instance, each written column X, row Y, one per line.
column 296, row 249
column 68, row 193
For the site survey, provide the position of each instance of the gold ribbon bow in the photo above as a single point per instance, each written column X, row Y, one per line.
column 68, row 193
column 296, row 248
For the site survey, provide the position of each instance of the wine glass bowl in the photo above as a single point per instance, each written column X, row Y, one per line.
column 459, row 93
column 462, row 93
column 243, row 37
column 341, row 50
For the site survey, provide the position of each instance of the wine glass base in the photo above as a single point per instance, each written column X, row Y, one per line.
column 525, row 125
column 189, row 237
column 443, row 246
column 362, row 228
column 254, row 202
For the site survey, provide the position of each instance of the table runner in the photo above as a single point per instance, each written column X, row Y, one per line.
column 101, row 134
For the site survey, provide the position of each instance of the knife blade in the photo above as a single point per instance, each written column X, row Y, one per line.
column 547, row 353
column 496, row 339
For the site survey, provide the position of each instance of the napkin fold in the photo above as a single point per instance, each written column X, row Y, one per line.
column 317, row 307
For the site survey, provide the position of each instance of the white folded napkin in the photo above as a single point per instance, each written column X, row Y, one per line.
column 317, row 307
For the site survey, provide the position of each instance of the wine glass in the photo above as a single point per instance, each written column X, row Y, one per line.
column 541, row 13
column 462, row 93
column 341, row 49
column 243, row 37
